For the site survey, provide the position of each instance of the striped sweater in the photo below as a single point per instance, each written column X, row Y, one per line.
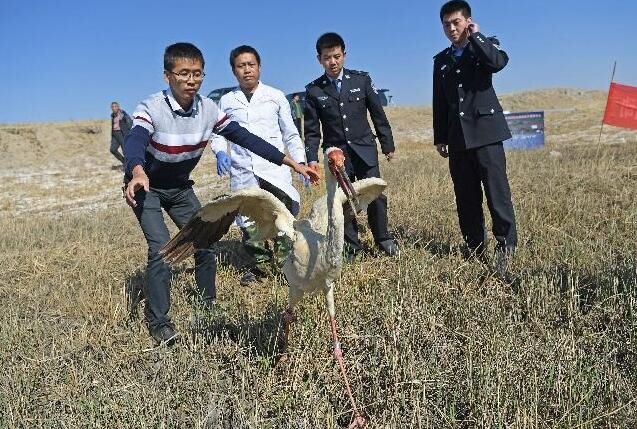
column 168, row 142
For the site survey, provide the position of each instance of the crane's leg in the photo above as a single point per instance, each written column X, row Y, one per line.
column 287, row 317
column 357, row 421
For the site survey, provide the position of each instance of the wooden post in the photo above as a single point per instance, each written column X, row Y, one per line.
column 612, row 76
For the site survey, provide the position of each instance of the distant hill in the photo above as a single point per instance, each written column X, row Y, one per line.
column 577, row 117
column 554, row 98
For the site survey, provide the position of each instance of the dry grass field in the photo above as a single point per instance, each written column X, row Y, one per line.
column 431, row 339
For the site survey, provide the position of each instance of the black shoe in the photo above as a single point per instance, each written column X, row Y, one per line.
column 389, row 247
column 165, row 334
column 252, row 276
column 349, row 257
column 248, row 278
column 503, row 256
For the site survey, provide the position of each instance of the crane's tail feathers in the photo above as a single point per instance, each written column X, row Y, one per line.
column 196, row 234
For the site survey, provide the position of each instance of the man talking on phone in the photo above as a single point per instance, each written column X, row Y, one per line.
column 469, row 127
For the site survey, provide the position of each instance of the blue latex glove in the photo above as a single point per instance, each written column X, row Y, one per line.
column 223, row 163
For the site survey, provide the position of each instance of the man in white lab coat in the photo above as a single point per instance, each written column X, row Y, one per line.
column 264, row 111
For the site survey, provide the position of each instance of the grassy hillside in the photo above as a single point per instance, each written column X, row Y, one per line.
column 430, row 339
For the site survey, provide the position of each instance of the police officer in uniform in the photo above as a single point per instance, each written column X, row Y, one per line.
column 338, row 101
column 469, row 127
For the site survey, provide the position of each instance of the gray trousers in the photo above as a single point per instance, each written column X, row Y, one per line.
column 297, row 123
column 180, row 204
column 117, row 141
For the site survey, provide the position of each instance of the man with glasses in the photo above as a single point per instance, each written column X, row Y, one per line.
column 170, row 131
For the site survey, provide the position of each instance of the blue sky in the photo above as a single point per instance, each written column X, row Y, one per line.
column 67, row 60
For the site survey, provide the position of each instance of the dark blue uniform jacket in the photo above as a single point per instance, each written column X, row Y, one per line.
column 343, row 117
column 466, row 110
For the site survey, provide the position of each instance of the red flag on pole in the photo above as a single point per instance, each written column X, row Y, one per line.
column 621, row 106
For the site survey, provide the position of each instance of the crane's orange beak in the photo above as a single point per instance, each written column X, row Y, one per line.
column 336, row 163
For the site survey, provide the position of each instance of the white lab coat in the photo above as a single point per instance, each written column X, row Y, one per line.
column 268, row 116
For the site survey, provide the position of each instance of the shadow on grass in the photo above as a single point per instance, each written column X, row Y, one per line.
column 255, row 336
column 590, row 289
column 596, row 294
column 230, row 252
column 419, row 239
column 134, row 293
column 599, row 302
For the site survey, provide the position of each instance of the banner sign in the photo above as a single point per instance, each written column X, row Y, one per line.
column 527, row 129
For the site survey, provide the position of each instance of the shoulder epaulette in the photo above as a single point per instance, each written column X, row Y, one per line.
column 493, row 39
column 441, row 53
column 316, row 81
column 359, row 72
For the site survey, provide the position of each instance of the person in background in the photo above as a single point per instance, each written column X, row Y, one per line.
column 338, row 102
column 171, row 129
column 297, row 113
column 121, row 124
column 264, row 111
column 469, row 127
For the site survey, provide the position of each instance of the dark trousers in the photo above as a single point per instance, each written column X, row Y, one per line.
column 180, row 204
column 376, row 210
column 471, row 171
column 259, row 250
column 117, row 141
column 297, row 122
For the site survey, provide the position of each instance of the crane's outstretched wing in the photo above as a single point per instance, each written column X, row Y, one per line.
column 367, row 190
column 213, row 221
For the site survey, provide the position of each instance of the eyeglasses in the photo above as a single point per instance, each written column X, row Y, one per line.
column 185, row 75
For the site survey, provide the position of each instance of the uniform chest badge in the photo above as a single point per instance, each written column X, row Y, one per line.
column 322, row 98
column 355, row 90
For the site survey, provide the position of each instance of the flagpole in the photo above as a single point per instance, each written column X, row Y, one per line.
column 601, row 127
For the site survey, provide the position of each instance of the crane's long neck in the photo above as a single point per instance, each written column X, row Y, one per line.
column 335, row 222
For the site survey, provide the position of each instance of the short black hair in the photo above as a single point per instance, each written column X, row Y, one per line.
column 243, row 49
column 328, row 41
column 455, row 6
column 179, row 51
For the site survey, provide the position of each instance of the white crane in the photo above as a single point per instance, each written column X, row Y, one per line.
column 316, row 260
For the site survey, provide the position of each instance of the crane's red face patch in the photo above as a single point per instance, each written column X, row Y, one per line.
column 336, row 159
column 336, row 163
